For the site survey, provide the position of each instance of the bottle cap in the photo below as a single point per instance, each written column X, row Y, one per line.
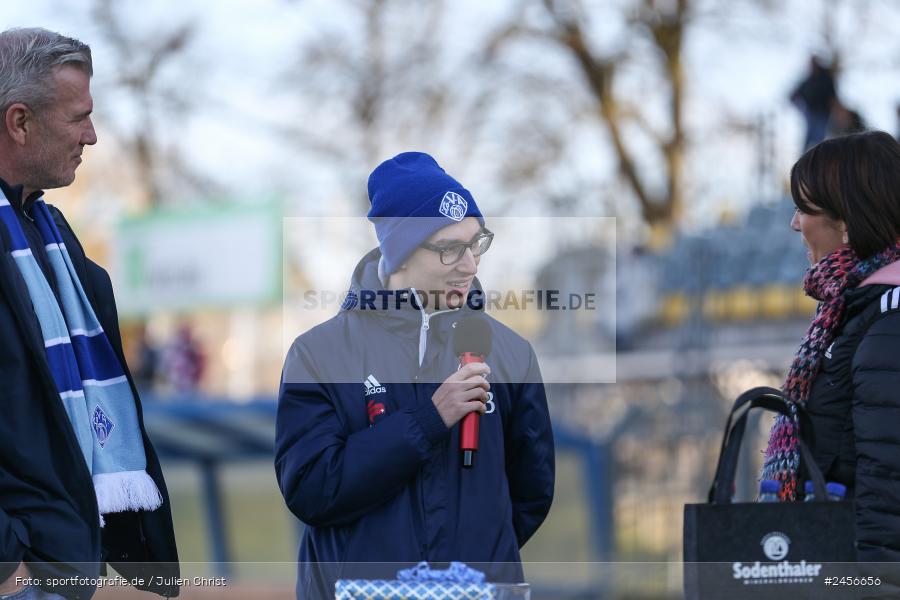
column 769, row 486
column 836, row 489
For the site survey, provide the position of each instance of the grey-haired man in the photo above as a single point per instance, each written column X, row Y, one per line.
column 61, row 441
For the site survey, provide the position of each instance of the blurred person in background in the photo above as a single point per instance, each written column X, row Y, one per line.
column 846, row 373
column 182, row 362
column 80, row 484
column 367, row 447
column 816, row 97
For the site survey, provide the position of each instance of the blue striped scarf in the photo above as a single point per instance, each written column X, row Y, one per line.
column 92, row 385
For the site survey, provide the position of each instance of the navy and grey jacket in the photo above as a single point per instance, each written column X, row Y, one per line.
column 365, row 461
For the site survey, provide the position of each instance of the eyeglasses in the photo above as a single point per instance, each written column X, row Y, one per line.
column 452, row 253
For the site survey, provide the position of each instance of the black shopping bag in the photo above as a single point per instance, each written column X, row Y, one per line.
column 764, row 550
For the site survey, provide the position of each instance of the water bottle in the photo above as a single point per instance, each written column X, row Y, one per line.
column 809, row 495
column 768, row 490
column 836, row 491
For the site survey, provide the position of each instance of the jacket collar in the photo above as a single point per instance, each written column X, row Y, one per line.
column 886, row 275
column 871, row 288
column 13, row 193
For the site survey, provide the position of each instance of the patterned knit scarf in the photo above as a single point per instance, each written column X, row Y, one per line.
column 826, row 281
column 92, row 385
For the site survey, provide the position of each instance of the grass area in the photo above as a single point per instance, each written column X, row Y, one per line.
column 263, row 535
column 565, row 534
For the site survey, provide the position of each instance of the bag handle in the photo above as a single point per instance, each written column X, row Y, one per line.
column 769, row 399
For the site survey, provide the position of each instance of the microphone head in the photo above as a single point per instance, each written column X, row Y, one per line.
column 472, row 334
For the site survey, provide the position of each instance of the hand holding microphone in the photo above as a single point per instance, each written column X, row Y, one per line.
column 462, row 396
column 462, row 393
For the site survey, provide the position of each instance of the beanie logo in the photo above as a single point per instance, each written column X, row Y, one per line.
column 454, row 206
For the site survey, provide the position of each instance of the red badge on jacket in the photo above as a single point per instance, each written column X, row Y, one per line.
column 375, row 409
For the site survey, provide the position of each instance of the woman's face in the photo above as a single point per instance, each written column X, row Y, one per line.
column 820, row 233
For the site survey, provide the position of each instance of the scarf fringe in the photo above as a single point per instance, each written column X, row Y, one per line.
column 126, row 490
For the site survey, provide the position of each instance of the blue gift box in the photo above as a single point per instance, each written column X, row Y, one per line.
column 380, row 589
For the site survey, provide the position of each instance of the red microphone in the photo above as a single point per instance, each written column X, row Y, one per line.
column 471, row 343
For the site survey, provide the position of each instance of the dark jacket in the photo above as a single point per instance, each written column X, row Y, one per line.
column 816, row 93
column 48, row 510
column 854, row 407
column 378, row 477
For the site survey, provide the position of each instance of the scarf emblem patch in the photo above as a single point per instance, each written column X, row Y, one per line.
column 102, row 425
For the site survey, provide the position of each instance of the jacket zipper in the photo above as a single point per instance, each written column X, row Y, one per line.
column 423, row 345
column 423, row 331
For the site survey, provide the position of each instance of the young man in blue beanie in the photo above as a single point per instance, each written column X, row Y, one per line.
column 367, row 434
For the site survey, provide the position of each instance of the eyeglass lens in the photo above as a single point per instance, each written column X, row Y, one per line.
column 455, row 252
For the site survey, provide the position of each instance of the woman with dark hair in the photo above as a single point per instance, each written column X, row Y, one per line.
column 846, row 373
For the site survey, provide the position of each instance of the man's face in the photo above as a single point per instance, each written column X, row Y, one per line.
column 426, row 273
column 62, row 131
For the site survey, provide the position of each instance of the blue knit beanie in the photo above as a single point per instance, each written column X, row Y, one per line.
column 413, row 197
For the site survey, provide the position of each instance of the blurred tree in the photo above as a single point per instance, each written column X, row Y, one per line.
column 567, row 25
column 392, row 75
column 373, row 75
column 564, row 104
column 160, row 89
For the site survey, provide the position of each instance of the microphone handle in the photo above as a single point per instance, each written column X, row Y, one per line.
column 468, row 433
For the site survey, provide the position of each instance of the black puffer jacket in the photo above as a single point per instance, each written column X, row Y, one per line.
column 854, row 406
